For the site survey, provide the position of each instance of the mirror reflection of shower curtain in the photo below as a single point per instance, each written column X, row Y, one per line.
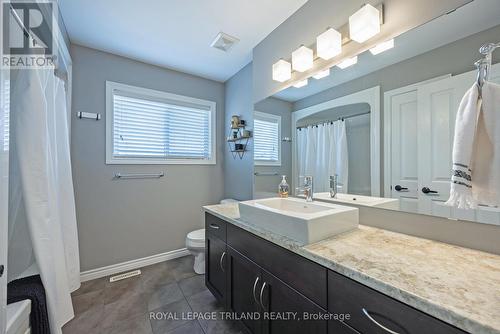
column 321, row 152
column 40, row 130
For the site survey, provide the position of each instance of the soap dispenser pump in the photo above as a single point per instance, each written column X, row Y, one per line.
column 283, row 188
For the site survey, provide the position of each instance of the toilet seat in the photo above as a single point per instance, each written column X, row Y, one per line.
column 196, row 239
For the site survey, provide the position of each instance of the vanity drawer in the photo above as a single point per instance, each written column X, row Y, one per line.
column 303, row 275
column 215, row 227
column 348, row 296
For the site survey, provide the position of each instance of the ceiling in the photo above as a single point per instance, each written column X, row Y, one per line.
column 176, row 33
column 472, row 18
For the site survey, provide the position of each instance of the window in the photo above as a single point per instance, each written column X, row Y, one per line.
column 267, row 134
column 145, row 126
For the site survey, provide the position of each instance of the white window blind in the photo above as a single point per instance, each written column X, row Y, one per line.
column 6, row 118
column 147, row 129
column 267, row 131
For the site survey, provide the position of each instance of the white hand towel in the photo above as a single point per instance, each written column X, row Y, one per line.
column 476, row 149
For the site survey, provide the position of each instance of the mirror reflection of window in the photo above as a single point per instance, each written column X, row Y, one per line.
column 267, row 133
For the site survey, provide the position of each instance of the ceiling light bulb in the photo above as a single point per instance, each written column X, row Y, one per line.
column 348, row 62
column 364, row 24
column 322, row 74
column 282, row 70
column 302, row 59
column 329, row 44
column 384, row 46
column 301, row 83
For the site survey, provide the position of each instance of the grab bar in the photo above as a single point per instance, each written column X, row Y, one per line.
column 265, row 174
column 139, row 176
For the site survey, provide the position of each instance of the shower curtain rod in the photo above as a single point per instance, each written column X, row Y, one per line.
column 340, row 118
column 57, row 71
column 21, row 25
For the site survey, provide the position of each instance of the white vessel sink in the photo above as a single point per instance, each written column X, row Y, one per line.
column 378, row 202
column 299, row 220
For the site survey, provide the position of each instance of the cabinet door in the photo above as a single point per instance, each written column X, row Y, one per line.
column 243, row 282
column 285, row 309
column 215, row 262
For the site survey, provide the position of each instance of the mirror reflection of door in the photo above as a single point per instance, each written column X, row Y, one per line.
column 422, row 121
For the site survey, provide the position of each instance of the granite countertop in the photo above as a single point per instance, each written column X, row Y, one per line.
column 458, row 285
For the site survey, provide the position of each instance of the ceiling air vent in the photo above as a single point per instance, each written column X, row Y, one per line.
column 224, row 42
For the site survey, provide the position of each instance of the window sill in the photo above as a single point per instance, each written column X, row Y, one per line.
column 267, row 163
column 159, row 162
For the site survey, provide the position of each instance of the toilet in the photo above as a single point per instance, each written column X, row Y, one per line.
column 195, row 244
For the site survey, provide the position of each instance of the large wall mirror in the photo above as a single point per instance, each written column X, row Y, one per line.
column 384, row 126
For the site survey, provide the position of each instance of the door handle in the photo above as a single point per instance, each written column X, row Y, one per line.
column 253, row 292
column 376, row 322
column 215, row 227
column 220, row 262
column 260, row 297
column 426, row 190
column 399, row 188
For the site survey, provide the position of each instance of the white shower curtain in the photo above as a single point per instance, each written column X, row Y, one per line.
column 321, row 152
column 42, row 148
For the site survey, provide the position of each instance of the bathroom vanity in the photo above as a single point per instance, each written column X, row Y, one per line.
column 375, row 280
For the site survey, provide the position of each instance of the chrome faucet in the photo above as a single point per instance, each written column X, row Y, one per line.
column 333, row 185
column 308, row 189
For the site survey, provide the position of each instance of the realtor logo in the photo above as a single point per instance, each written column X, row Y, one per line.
column 27, row 31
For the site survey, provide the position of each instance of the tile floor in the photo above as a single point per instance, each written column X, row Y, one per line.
column 124, row 307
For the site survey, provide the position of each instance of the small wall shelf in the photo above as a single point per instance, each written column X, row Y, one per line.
column 237, row 140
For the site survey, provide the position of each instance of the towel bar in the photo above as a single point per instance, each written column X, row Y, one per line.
column 139, row 176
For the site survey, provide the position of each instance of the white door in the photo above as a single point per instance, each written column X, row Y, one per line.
column 404, row 178
column 4, row 178
column 438, row 104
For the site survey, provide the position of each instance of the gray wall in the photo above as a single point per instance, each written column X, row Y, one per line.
column 238, row 173
column 269, row 184
column 130, row 219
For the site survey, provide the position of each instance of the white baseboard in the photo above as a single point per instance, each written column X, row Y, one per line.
column 132, row 264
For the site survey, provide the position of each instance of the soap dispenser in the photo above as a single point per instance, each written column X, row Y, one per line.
column 283, row 188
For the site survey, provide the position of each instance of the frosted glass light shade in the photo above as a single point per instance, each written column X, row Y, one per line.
column 329, row 44
column 322, row 74
column 302, row 59
column 364, row 24
column 384, row 46
column 301, row 83
column 348, row 62
column 282, row 70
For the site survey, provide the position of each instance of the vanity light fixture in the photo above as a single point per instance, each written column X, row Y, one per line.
column 322, row 74
column 364, row 24
column 384, row 46
column 348, row 62
column 329, row 44
column 301, row 83
column 302, row 59
column 282, row 70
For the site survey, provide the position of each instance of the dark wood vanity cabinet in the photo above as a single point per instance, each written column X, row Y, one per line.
column 373, row 312
column 280, row 299
column 242, row 290
column 262, row 281
column 215, row 257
